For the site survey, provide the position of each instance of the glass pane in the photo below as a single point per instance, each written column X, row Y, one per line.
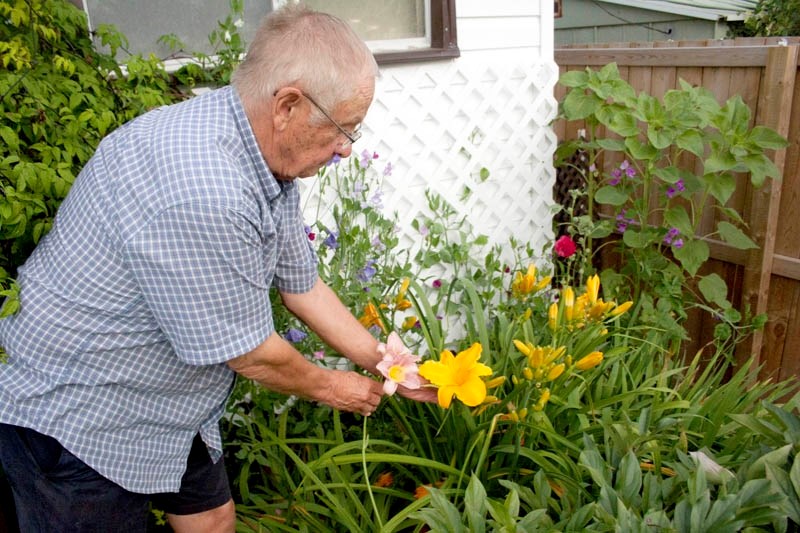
column 378, row 20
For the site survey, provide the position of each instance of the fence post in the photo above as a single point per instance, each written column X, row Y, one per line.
column 778, row 86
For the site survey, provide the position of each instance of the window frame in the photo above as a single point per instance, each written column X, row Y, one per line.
column 444, row 43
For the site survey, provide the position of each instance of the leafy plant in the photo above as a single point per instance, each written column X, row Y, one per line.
column 651, row 198
column 58, row 98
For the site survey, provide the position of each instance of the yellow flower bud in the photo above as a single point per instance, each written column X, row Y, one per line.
column 515, row 380
column 589, row 361
column 409, row 322
column 621, row 308
column 543, row 399
column 552, row 316
column 527, row 315
column 556, row 371
column 527, row 373
column 523, row 413
column 513, row 416
column 569, row 301
column 495, row 382
column 523, row 347
column 593, row 288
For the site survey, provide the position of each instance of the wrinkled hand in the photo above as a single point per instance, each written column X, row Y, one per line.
column 353, row 392
column 425, row 393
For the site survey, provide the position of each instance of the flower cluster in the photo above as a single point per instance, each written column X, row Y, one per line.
column 672, row 238
column 572, row 312
column 527, row 283
column 455, row 376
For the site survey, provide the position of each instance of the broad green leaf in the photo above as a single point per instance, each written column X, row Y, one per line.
column 719, row 162
column 578, row 105
column 721, row 186
column 640, row 150
column 692, row 255
column 735, row 237
column 612, row 145
column 760, row 167
column 636, row 239
column 715, row 290
column 677, row 217
column 575, row 78
column 691, row 141
column 768, row 138
column 609, row 195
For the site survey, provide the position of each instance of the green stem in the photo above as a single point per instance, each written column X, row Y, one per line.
column 364, row 442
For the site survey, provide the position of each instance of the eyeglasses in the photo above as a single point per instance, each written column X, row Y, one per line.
column 352, row 136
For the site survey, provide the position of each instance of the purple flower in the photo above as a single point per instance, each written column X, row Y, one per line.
column 672, row 238
column 437, row 283
column 330, row 241
column 630, row 172
column 624, row 165
column 334, row 160
column 387, row 170
column 294, row 335
column 377, row 244
column 376, row 202
column 423, row 230
column 310, row 234
column 623, row 220
column 368, row 272
column 616, row 177
column 677, row 188
column 366, row 158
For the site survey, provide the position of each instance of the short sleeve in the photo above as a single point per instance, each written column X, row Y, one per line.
column 296, row 270
column 204, row 273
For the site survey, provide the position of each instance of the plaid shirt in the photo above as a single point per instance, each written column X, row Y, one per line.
column 156, row 272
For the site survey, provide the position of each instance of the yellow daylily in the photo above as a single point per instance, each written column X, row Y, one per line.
column 621, row 308
column 458, row 375
column 409, row 322
column 593, row 288
column 552, row 316
column 526, row 283
column 371, row 317
column 589, row 361
column 401, row 303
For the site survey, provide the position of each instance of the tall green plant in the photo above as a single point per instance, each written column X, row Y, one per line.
column 58, row 97
column 653, row 200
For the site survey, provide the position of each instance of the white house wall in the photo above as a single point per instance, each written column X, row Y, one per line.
column 439, row 123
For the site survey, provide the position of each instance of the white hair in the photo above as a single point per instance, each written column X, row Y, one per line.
column 316, row 52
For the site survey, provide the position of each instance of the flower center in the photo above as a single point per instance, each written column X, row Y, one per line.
column 397, row 374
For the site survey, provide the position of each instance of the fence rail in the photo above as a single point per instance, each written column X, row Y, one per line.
column 764, row 72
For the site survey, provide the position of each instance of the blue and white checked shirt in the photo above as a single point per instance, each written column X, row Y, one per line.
column 157, row 271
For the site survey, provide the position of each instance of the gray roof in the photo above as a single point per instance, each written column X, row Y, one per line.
column 702, row 9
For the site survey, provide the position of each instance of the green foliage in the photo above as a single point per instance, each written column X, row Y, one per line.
column 771, row 18
column 653, row 201
column 58, row 98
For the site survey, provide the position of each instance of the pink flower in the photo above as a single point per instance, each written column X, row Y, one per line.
column 565, row 246
column 398, row 366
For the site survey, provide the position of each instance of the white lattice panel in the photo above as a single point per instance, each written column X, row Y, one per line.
column 439, row 123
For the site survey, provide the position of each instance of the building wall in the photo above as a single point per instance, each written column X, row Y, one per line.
column 438, row 122
column 586, row 21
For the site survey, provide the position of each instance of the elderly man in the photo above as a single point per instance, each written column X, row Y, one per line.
column 152, row 291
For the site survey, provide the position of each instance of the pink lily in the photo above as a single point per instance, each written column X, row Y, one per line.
column 398, row 366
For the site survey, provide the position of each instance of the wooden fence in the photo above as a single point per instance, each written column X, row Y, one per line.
column 764, row 72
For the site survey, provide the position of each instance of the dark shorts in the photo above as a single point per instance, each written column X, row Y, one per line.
column 56, row 491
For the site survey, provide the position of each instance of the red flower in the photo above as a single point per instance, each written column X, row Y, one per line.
column 565, row 246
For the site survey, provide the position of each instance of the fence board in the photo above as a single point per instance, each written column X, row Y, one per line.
column 763, row 72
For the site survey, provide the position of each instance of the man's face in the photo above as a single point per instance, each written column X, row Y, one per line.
column 307, row 143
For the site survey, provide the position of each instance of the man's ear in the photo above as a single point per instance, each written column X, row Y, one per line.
column 285, row 106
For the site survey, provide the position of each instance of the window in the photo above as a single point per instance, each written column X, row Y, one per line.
column 399, row 31
column 396, row 30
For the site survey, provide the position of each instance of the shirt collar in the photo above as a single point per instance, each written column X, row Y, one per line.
column 272, row 186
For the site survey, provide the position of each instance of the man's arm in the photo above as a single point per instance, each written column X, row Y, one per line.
column 322, row 311
column 277, row 365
